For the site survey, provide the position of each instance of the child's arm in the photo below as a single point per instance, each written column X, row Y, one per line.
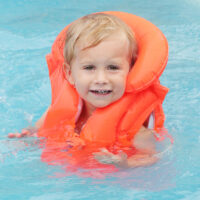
column 30, row 131
column 144, row 141
column 40, row 122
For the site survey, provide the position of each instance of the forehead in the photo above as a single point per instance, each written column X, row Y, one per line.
column 116, row 45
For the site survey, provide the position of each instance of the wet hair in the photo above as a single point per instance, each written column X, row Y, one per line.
column 95, row 28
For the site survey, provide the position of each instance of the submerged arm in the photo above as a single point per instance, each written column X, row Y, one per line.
column 143, row 141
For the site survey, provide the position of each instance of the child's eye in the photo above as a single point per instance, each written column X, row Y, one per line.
column 89, row 67
column 113, row 67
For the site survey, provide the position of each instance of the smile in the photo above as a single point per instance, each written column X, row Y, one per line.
column 101, row 92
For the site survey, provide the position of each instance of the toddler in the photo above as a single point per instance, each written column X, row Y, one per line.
column 100, row 50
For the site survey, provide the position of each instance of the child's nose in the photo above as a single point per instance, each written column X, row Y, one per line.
column 101, row 77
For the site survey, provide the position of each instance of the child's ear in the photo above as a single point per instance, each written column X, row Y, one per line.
column 68, row 73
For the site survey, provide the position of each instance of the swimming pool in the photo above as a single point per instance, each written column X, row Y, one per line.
column 27, row 31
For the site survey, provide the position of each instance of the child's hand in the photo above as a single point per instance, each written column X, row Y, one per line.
column 29, row 132
column 106, row 157
column 121, row 160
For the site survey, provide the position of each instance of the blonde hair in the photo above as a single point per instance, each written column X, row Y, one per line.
column 95, row 28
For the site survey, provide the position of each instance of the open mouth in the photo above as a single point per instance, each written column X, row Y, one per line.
column 101, row 92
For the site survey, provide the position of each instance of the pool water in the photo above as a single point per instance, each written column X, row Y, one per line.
column 27, row 31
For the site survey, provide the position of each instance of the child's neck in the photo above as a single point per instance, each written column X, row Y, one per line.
column 88, row 109
column 86, row 112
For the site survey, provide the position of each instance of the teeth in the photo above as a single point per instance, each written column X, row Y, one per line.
column 101, row 91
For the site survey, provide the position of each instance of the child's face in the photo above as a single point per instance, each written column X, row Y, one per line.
column 99, row 73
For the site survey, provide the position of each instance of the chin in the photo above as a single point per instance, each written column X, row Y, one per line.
column 102, row 105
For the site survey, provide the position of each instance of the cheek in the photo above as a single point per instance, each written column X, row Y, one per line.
column 77, row 78
column 80, row 90
column 120, row 86
column 81, row 85
column 121, row 81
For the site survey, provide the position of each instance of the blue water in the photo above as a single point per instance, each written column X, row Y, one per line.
column 27, row 30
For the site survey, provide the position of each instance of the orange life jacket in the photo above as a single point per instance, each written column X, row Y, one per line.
column 120, row 121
